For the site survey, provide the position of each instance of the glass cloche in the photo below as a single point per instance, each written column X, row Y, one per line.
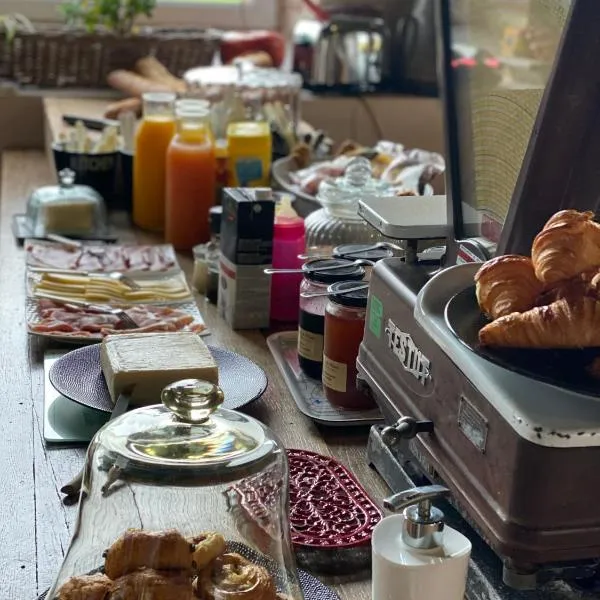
column 182, row 500
column 338, row 222
column 66, row 209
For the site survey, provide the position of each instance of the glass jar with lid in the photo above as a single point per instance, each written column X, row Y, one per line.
column 344, row 329
column 66, row 209
column 313, row 300
column 169, row 505
column 338, row 222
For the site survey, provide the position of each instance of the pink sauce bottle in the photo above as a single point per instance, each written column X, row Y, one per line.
column 288, row 243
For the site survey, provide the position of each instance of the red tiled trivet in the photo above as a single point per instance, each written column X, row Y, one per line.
column 328, row 507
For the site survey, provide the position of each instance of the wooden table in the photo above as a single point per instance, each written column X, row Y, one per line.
column 35, row 525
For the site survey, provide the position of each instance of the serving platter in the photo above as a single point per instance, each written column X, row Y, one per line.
column 562, row 368
column 97, row 257
column 35, row 306
column 78, row 376
column 312, row 588
column 175, row 287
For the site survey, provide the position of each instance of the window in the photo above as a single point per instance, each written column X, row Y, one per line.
column 242, row 14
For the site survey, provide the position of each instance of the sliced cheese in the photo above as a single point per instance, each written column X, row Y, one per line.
column 142, row 364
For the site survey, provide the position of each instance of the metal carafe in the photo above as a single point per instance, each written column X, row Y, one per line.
column 349, row 54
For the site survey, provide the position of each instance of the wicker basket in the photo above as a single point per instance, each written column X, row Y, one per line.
column 60, row 59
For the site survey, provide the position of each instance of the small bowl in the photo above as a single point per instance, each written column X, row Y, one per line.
column 98, row 171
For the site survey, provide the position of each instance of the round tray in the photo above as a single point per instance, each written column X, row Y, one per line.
column 312, row 588
column 561, row 368
column 78, row 376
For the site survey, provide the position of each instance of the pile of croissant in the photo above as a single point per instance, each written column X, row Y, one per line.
column 551, row 300
column 144, row 565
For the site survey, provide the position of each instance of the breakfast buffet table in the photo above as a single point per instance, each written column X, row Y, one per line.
column 36, row 525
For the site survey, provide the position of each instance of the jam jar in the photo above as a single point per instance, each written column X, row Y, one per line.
column 312, row 309
column 344, row 329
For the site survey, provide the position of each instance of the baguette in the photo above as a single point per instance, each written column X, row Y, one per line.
column 152, row 69
column 128, row 105
column 133, row 84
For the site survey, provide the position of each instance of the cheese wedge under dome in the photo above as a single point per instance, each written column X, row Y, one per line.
column 145, row 363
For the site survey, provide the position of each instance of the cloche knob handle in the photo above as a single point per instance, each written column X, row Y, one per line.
column 192, row 400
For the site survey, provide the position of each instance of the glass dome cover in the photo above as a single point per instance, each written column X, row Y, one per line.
column 338, row 222
column 66, row 209
column 179, row 473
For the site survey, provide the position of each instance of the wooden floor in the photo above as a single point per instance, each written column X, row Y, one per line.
column 35, row 526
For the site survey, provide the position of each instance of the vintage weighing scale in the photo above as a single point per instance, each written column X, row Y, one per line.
column 518, row 445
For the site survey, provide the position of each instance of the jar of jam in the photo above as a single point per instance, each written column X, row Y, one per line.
column 311, row 327
column 344, row 329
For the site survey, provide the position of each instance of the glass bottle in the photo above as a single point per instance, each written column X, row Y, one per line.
column 190, row 178
column 149, row 170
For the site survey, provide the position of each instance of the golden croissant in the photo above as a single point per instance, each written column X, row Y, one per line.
column 507, row 284
column 562, row 324
column 568, row 245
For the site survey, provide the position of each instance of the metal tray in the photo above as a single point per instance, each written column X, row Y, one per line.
column 308, row 393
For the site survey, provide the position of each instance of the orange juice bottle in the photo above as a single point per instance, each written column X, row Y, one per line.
column 149, row 169
column 191, row 178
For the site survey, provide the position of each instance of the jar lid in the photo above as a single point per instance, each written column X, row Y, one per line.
column 188, row 436
column 350, row 272
column 362, row 251
column 355, row 298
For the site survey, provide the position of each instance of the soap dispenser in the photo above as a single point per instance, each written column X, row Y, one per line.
column 415, row 555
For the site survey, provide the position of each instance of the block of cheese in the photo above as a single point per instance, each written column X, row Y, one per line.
column 142, row 364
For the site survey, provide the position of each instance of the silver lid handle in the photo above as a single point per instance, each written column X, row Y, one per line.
column 423, row 523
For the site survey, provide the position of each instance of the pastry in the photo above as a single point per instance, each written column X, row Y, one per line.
column 207, row 546
column 86, row 587
column 232, row 577
column 568, row 245
column 562, row 324
column 507, row 284
column 167, row 550
column 147, row 584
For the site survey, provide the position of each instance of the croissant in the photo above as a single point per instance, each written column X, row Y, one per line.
column 148, row 584
column 568, row 245
column 163, row 550
column 562, row 324
column 507, row 284
column 86, row 587
column 233, row 577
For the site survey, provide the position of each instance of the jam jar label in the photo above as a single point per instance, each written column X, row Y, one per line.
column 310, row 345
column 335, row 374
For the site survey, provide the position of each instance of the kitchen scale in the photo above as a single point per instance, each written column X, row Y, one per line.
column 520, row 454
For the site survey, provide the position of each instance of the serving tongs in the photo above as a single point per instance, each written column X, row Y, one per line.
column 114, row 275
column 72, row 489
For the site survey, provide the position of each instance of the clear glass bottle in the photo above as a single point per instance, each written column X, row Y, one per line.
column 311, row 326
column 152, row 140
column 338, row 222
column 172, row 490
column 190, row 178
